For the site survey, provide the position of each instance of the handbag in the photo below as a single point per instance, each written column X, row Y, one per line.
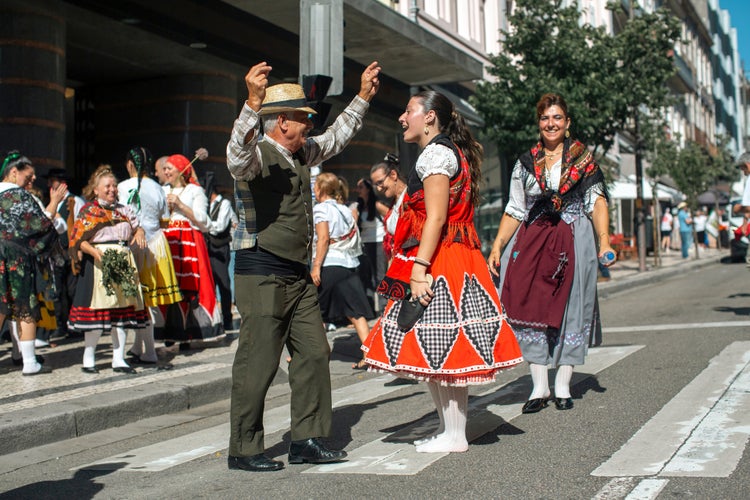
column 411, row 310
column 350, row 242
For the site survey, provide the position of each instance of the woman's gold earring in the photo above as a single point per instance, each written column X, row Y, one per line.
column 567, row 133
column 426, row 130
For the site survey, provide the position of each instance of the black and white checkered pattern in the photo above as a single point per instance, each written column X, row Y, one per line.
column 393, row 337
column 438, row 329
column 480, row 317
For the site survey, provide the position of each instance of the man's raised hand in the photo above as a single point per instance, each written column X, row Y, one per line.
column 256, row 81
column 370, row 83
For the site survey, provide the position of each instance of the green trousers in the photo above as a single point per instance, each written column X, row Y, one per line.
column 277, row 311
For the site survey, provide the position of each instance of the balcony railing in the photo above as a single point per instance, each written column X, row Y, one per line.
column 684, row 72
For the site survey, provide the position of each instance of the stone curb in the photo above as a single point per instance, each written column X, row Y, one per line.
column 37, row 426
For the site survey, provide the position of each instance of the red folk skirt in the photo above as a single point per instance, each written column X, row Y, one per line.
column 462, row 338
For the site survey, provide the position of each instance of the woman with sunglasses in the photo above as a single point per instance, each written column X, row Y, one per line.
column 386, row 178
column 369, row 212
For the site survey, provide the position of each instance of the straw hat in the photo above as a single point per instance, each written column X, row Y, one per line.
column 285, row 97
column 681, row 205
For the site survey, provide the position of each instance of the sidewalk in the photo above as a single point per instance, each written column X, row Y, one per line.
column 69, row 403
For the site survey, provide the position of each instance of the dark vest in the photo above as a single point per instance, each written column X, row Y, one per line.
column 223, row 238
column 64, row 213
column 277, row 206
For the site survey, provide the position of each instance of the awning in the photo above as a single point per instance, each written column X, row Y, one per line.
column 625, row 189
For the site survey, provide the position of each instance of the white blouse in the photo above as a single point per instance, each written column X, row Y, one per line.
column 525, row 190
column 194, row 197
column 436, row 159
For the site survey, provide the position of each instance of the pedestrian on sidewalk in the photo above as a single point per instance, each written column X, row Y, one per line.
column 461, row 337
column 685, row 223
column 277, row 300
column 666, row 229
column 556, row 214
column 104, row 231
column 28, row 241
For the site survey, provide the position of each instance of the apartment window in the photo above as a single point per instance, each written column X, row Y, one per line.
column 439, row 9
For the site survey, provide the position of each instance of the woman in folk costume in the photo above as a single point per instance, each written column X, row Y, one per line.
column 28, row 240
column 386, row 178
column 198, row 316
column 337, row 246
column 462, row 337
column 155, row 268
column 556, row 213
column 104, row 225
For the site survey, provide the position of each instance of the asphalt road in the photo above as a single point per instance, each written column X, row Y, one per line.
column 661, row 411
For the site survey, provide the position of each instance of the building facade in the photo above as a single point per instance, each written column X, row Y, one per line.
column 82, row 81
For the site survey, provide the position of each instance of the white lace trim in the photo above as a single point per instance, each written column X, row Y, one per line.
column 436, row 159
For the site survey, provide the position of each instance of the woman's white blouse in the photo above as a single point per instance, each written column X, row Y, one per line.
column 436, row 159
column 194, row 197
column 525, row 190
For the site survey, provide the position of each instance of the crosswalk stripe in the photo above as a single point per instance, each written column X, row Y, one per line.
column 647, row 489
column 161, row 456
column 715, row 447
column 395, row 455
column 391, row 458
column 660, row 439
column 674, row 326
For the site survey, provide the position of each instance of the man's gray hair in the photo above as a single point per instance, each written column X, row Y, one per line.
column 743, row 159
column 269, row 122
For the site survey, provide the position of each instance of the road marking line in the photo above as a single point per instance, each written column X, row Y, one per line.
column 384, row 458
column 715, row 447
column 647, row 489
column 674, row 326
column 615, row 489
column 166, row 454
column 395, row 455
column 647, row 452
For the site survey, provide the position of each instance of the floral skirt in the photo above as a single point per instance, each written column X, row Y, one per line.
column 21, row 284
column 462, row 338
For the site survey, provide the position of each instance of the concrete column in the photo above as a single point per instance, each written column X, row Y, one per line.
column 32, row 80
column 176, row 114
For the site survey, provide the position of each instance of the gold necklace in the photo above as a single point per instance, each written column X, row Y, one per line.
column 553, row 153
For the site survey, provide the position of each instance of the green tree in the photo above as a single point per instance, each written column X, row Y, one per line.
column 549, row 50
column 606, row 80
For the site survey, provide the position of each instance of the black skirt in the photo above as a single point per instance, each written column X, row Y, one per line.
column 341, row 295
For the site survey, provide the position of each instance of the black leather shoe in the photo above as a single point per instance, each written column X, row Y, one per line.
column 90, row 369
column 563, row 403
column 124, row 369
column 19, row 361
column 312, row 451
column 534, row 405
column 255, row 463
